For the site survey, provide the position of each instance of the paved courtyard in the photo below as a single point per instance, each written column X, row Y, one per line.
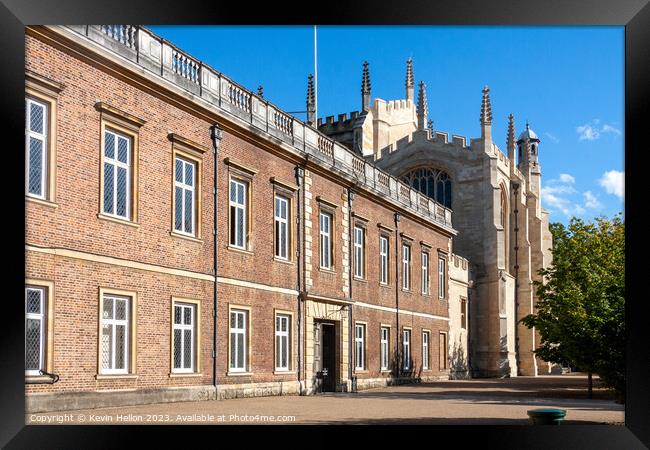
column 488, row 402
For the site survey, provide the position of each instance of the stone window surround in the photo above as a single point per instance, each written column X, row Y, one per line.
column 126, row 124
column 48, row 328
column 46, row 91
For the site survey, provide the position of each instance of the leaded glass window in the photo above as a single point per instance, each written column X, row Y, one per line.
column 184, row 195
column 238, row 341
column 115, row 334
column 184, row 344
column 117, row 174
column 359, row 250
column 36, row 148
column 385, row 333
column 360, row 346
column 281, row 227
column 35, row 298
column 282, row 341
column 238, row 213
column 383, row 260
column 434, row 183
column 325, row 240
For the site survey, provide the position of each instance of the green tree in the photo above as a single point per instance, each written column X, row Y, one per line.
column 581, row 305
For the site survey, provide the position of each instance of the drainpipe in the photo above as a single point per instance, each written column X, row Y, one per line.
column 216, row 135
column 398, row 350
column 350, row 274
column 300, row 173
column 515, row 187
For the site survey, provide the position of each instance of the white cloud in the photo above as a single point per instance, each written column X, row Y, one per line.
column 610, row 129
column 553, row 139
column 566, row 178
column 591, row 201
column 614, row 182
column 560, row 195
column 588, row 133
column 552, row 190
column 592, row 131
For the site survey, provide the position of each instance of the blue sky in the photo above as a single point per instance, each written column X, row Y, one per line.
column 568, row 82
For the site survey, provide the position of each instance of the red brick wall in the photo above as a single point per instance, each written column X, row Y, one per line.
column 74, row 225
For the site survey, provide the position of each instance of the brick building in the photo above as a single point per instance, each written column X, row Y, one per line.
column 328, row 274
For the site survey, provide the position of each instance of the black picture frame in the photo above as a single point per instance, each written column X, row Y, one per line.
column 633, row 14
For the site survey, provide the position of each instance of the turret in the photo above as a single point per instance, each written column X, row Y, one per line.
column 528, row 164
column 528, row 145
column 409, row 80
column 365, row 88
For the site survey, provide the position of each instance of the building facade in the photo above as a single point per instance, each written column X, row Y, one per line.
column 186, row 239
column 496, row 198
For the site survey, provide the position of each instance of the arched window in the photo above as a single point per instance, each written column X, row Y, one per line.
column 503, row 209
column 434, row 183
column 504, row 202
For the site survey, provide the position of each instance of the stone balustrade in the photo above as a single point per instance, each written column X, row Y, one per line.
column 144, row 48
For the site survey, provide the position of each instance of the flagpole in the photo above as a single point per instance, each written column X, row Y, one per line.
column 315, row 76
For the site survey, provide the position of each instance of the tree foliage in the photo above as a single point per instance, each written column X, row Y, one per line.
column 580, row 312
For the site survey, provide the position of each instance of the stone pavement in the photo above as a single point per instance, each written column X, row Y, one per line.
column 481, row 401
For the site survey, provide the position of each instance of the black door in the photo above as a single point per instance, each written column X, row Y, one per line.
column 328, row 357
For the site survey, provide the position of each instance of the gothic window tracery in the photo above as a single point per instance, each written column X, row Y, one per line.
column 434, row 183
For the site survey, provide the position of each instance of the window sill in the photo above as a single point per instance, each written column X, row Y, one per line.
column 40, row 201
column 385, row 286
column 283, row 261
column 36, row 379
column 117, row 376
column 408, row 291
column 185, row 236
column 360, row 370
column 116, row 220
column 284, row 372
column 184, row 375
column 325, row 270
column 360, row 280
column 386, row 371
column 240, row 250
column 239, row 374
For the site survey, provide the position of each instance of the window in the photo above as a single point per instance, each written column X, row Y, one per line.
column 281, row 227
column 282, row 341
column 425, row 350
column 463, row 313
column 360, row 345
column 441, row 278
column 238, row 340
column 35, row 299
column 383, row 259
column 238, row 213
column 434, row 183
column 425, row 273
column 41, row 98
column 443, row 351
column 36, row 148
column 117, row 174
column 406, row 349
column 184, row 196
column 115, row 334
column 385, row 339
column 359, row 257
column 325, row 240
column 184, row 337
column 406, row 267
